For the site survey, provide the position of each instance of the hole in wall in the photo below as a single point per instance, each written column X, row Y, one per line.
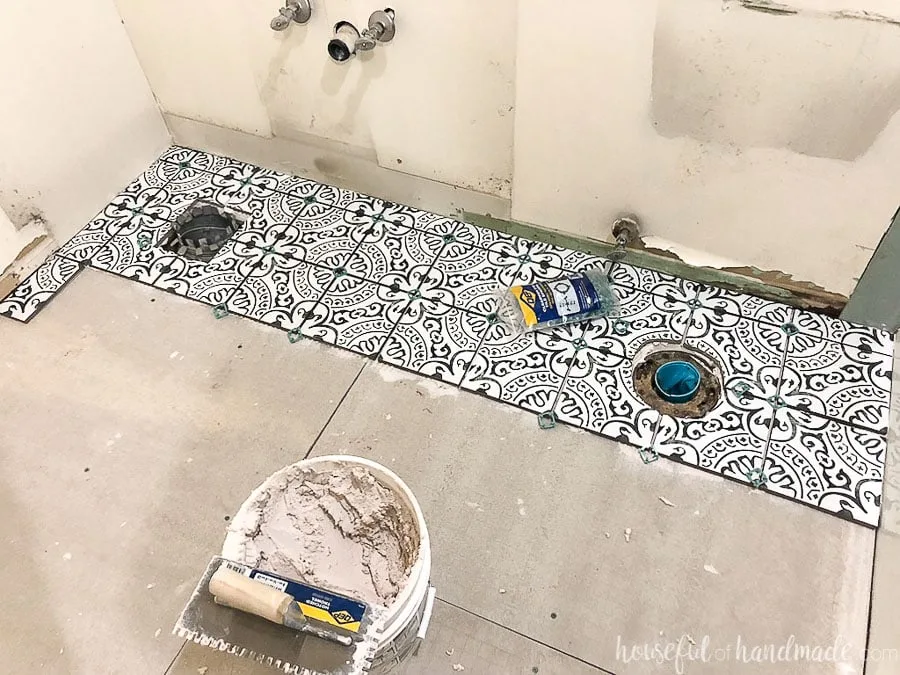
column 677, row 380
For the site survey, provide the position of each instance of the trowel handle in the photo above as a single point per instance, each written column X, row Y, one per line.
column 235, row 590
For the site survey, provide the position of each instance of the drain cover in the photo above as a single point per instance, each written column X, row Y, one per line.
column 202, row 230
column 676, row 381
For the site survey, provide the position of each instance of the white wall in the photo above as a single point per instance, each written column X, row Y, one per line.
column 740, row 138
column 77, row 118
column 439, row 98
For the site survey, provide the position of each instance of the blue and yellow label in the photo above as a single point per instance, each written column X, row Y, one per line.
column 316, row 604
column 550, row 302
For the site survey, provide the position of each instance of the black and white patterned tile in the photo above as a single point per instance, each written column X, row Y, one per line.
column 805, row 397
column 280, row 291
column 38, row 288
column 92, row 237
column 355, row 314
column 436, row 340
column 640, row 318
column 387, row 252
column 599, row 395
column 527, row 370
column 470, row 277
column 832, row 466
column 750, row 353
column 837, row 380
column 212, row 282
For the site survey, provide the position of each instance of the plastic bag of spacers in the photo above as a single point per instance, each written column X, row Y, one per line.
column 569, row 299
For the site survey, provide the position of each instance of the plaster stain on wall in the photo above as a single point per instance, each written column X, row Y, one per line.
column 801, row 81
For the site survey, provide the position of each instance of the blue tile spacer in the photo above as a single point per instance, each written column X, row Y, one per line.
column 789, row 329
column 648, row 455
column 621, row 327
column 693, row 303
column 492, row 318
column 547, row 420
column 339, row 272
column 220, row 311
column 144, row 242
column 414, row 293
column 294, row 335
column 579, row 344
column 757, row 477
column 448, row 238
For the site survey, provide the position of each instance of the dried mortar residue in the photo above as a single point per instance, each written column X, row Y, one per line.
column 338, row 528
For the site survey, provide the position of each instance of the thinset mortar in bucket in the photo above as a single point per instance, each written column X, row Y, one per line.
column 348, row 525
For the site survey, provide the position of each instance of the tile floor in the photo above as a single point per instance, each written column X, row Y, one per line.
column 806, row 401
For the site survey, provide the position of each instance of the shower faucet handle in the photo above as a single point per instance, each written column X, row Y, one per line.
column 293, row 10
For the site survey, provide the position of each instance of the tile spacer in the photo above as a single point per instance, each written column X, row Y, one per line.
column 620, row 327
column 144, row 242
column 220, row 311
column 448, row 238
column 339, row 272
column 789, row 329
column 648, row 455
column 547, row 420
column 294, row 335
column 579, row 344
column 757, row 477
column 740, row 388
column 694, row 303
column 776, row 402
column 492, row 318
column 310, row 199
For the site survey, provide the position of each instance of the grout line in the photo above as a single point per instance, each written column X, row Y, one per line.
column 871, row 603
column 527, row 637
column 168, row 669
column 312, row 445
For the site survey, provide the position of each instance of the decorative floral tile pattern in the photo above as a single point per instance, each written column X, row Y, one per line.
column 280, row 290
column 834, row 466
column 805, row 397
column 30, row 296
column 437, row 340
column 839, row 381
column 355, row 314
column 524, row 370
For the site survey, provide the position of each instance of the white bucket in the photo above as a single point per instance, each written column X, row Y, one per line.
column 406, row 619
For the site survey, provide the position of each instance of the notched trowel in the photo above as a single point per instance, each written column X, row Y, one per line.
column 278, row 621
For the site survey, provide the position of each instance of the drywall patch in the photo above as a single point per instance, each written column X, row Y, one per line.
column 773, row 78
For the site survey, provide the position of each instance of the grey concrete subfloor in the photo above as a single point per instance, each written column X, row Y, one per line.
column 133, row 423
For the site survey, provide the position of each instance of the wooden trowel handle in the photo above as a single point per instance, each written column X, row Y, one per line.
column 235, row 590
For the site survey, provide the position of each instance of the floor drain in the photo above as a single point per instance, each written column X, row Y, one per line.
column 677, row 381
column 201, row 231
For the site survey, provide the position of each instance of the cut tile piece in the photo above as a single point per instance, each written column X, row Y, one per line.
column 355, row 314
column 567, row 260
column 651, row 281
column 132, row 253
column 523, row 370
column 178, row 154
column 389, row 252
column 829, row 465
column 436, row 340
column 483, row 237
column 354, row 202
column 92, row 237
column 284, row 182
column 425, row 221
column 38, row 288
column 839, row 381
column 184, row 189
column 280, row 291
